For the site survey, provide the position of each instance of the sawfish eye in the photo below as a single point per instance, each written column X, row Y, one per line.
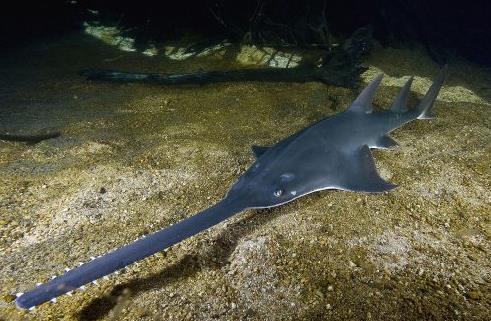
column 278, row 192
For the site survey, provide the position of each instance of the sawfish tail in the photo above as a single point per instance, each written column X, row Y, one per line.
column 424, row 107
column 128, row 254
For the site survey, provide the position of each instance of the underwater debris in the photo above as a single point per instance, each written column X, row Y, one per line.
column 30, row 139
column 340, row 67
column 150, row 51
column 110, row 35
column 267, row 56
column 113, row 36
column 300, row 74
column 179, row 54
column 183, row 53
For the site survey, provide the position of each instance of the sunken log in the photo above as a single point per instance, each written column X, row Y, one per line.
column 331, row 76
column 30, row 139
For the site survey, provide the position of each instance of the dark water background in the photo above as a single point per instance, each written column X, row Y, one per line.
column 443, row 27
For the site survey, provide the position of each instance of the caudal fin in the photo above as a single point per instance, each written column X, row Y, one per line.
column 426, row 104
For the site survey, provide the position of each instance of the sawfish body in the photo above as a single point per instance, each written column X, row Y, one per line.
column 333, row 153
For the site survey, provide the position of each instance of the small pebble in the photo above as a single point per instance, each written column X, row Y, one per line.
column 8, row 298
column 474, row 295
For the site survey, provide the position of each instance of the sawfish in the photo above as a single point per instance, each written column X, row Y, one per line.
column 333, row 153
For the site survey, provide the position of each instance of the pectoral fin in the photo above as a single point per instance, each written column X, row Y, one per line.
column 360, row 174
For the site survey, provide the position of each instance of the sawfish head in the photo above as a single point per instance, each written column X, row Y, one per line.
column 275, row 179
column 286, row 179
column 265, row 189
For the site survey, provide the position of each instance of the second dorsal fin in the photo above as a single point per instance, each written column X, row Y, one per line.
column 363, row 103
column 400, row 103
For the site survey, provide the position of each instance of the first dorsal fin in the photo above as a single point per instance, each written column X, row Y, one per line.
column 363, row 103
column 400, row 103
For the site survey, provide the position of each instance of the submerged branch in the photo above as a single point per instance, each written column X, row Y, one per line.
column 331, row 76
column 30, row 139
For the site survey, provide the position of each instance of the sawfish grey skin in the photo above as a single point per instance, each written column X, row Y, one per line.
column 333, row 153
